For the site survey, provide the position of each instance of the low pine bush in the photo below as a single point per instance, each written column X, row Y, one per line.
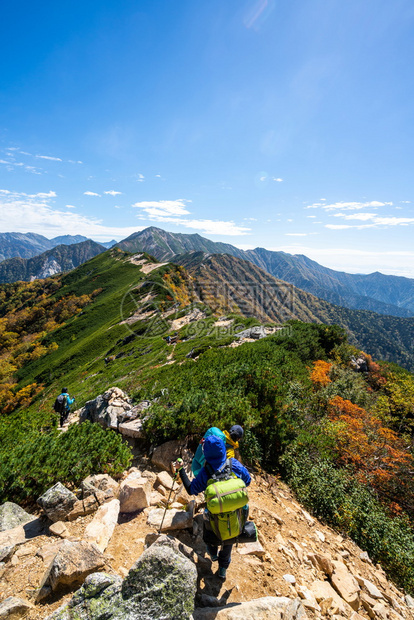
column 39, row 460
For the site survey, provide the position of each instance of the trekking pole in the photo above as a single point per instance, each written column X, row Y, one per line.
column 179, row 462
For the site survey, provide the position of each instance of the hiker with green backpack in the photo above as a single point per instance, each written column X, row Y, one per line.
column 224, row 483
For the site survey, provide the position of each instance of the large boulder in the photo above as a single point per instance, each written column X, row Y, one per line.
column 13, row 608
column 11, row 515
column 161, row 585
column 22, row 533
column 110, row 409
column 71, row 564
column 135, row 494
column 99, row 592
column 101, row 528
column 100, row 482
column 266, row 608
column 167, row 452
column 134, row 429
column 57, row 502
column 345, row 584
column 172, row 519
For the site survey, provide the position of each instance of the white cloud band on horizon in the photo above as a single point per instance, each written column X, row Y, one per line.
column 170, row 211
column 348, row 206
column 24, row 213
column 392, row 262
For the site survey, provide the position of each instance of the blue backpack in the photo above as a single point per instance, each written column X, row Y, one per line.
column 199, row 459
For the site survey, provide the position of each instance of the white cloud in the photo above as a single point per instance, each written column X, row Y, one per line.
column 277, row 179
column 157, row 176
column 296, row 234
column 311, row 216
column 22, row 212
column 47, row 157
column 50, row 194
column 356, row 260
column 356, row 216
column 374, row 218
column 163, row 208
column 338, row 226
column 70, row 206
column 348, row 206
column 33, row 170
column 170, row 211
column 405, row 202
column 140, row 178
column 91, row 194
column 214, row 227
column 112, row 192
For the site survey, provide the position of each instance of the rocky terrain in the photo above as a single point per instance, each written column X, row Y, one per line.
column 95, row 552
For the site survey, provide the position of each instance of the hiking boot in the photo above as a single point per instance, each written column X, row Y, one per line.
column 213, row 556
column 222, row 572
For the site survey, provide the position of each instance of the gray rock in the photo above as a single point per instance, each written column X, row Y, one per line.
column 13, row 608
column 57, row 502
column 6, row 553
column 161, row 585
column 276, row 608
column 71, row 564
column 11, row 515
column 257, row 332
column 91, row 602
column 409, row 601
column 173, row 519
column 109, row 409
column 167, row 452
column 132, row 429
column 101, row 482
column 20, row 534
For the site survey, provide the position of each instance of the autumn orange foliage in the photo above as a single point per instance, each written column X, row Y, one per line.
column 380, row 457
column 320, row 373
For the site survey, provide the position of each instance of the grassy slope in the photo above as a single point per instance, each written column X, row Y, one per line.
column 96, row 333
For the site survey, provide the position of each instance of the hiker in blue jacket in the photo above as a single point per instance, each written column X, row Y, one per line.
column 62, row 405
column 215, row 453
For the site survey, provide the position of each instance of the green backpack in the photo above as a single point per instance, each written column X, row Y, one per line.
column 226, row 495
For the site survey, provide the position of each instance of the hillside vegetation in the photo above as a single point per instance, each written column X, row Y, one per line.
column 317, row 411
column 384, row 294
column 228, row 283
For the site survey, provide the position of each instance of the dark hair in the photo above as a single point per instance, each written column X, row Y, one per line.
column 64, row 390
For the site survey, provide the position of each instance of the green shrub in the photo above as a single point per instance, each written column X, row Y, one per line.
column 332, row 494
column 39, row 460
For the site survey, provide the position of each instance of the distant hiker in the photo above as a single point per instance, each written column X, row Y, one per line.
column 62, row 405
column 231, row 438
column 224, row 482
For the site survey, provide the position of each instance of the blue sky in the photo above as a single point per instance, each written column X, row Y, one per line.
column 286, row 125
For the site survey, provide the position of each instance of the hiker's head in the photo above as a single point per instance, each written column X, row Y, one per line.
column 64, row 390
column 214, row 450
column 236, row 432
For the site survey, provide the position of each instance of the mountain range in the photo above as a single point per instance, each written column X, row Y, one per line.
column 377, row 292
column 27, row 245
column 60, row 258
